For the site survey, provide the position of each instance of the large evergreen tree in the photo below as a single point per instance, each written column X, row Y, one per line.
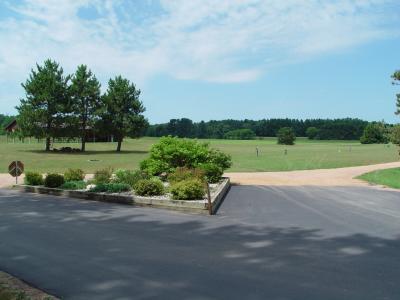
column 123, row 111
column 42, row 111
column 85, row 101
column 396, row 81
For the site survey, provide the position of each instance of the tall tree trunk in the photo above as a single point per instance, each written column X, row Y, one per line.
column 48, row 143
column 119, row 144
column 83, row 146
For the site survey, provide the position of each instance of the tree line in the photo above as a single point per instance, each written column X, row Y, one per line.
column 62, row 105
column 323, row 129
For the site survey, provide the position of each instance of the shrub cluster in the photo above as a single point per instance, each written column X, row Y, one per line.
column 149, row 187
column 103, row 176
column 74, row 185
column 188, row 189
column 33, row 178
column 171, row 152
column 110, row 188
column 130, row 177
column 74, row 175
column 53, row 180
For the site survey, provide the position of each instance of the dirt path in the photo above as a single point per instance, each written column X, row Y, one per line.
column 321, row 177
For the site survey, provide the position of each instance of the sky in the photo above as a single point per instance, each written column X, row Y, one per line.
column 216, row 59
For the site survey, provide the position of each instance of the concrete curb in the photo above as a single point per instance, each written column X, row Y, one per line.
column 180, row 205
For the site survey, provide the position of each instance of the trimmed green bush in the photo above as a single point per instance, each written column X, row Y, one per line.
column 74, row 175
column 111, row 188
column 103, row 175
column 171, row 152
column 130, row 177
column 53, row 180
column 74, row 185
column 213, row 173
column 149, row 187
column 183, row 173
column 190, row 189
column 33, row 178
column 286, row 136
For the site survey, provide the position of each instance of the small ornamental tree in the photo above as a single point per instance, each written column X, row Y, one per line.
column 396, row 81
column 123, row 111
column 42, row 111
column 312, row 133
column 286, row 136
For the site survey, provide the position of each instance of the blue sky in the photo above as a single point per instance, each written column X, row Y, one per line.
column 207, row 59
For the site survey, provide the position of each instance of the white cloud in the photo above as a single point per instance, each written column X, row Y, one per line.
column 217, row 41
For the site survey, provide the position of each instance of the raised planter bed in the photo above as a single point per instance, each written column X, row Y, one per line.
column 195, row 206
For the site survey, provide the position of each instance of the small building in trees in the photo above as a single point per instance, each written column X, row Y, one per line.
column 11, row 127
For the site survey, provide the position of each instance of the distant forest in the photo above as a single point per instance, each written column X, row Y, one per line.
column 326, row 129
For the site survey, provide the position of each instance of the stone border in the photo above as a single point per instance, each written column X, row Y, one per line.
column 181, row 205
column 15, row 285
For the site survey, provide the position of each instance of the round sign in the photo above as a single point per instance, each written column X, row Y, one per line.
column 16, row 168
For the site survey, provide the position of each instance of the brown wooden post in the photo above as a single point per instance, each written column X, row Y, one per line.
column 210, row 211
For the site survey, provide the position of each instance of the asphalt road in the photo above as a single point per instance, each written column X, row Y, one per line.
column 275, row 243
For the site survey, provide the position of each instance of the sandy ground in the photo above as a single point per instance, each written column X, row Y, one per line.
column 320, row 177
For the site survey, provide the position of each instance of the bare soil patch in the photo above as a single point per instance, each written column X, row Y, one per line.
column 321, row 177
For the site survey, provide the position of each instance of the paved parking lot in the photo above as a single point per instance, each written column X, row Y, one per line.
column 265, row 243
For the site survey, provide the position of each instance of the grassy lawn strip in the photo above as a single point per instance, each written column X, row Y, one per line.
column 12, row 288
column 304, row 155
column 387, row 177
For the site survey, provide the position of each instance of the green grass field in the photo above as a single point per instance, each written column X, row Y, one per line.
column 304, row 155
column 387, row 177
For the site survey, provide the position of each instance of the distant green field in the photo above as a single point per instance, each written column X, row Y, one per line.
column 304, row 155
column 387, row 177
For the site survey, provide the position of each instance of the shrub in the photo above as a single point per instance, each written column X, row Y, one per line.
column 189, row 189
column 312, row 133
column 53, row 180
column 130, row 177
column 149, row 187
column 183, row 173
column 213, row 173
column 74, row 175
column 375, row 133
column 103, row 175
column 171, row 152
column 33, row 178
column 240, row 134
column 74, row 185
column 286, row 136
column 111, row 188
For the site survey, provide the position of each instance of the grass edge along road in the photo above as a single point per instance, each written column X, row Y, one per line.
column 386, row 177
column 304, row 155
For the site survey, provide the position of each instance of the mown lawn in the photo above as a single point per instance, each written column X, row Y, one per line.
column 387, row 177
column 304, row 155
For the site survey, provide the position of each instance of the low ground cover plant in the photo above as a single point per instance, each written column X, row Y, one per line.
column 189, row 189
column 149, row 187
column 53, row 180
column 33, row 178
column 74, row 175
column 130, row 177
column 110, row 188
column 103, row 175
column 74, row 185
column 183, row 173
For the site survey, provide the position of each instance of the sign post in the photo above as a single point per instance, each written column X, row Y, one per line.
column 15, row 169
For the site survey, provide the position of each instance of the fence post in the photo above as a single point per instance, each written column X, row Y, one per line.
column 210, row 210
